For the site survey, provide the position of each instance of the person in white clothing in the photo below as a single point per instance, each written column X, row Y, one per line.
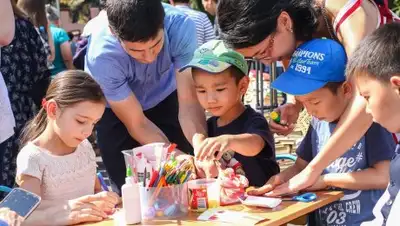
column 375, row 67
column 97, row 22
column 57, row 161
column 204, row 28
column 7, row 29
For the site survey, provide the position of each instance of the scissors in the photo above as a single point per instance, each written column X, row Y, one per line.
column 306, row 197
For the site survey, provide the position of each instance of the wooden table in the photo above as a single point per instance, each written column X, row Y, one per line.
column 281, row 215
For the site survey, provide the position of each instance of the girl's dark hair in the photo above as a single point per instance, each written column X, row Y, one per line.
column 244, row 23
column 35, row 9
column 66, row 89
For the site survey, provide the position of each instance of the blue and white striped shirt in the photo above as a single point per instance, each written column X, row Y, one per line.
column 204, row 29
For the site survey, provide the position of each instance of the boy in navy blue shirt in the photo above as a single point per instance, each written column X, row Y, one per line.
column 238, row 135
column 316, row 77
column 375, row 68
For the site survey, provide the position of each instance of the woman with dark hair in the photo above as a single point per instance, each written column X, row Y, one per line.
column 271, row 30
column 24, row 69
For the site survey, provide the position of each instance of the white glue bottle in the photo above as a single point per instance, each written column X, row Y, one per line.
column 131, row 199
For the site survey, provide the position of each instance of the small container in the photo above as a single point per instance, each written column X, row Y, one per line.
column 165, row 202
column 131, row 201
column 275, row 117
column 204, row 194
column 151, row 152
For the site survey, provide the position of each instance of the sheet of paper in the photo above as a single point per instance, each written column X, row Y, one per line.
column 261, row 201
column 229, row 216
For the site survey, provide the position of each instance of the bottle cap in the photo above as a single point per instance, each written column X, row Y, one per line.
column 275, row 116
column 128, row 171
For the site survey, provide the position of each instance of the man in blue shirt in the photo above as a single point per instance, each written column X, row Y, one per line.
column 316, row 77
column 136, row 60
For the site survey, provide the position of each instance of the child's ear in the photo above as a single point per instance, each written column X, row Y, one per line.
column 347, row 89
column 51, row 109
column 243, row 85
column 395, row 82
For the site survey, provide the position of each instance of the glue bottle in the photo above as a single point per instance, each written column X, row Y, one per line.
column 131, row 199
column 275, row 116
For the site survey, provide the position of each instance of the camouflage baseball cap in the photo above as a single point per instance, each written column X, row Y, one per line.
column 215, row 57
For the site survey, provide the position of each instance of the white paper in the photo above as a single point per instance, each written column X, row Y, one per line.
column 261, row 201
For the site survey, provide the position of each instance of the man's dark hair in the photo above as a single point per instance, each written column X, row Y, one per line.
column 181, row 1
column 378, row 54
column 333, row 86
column 244, row 23
column 135, row 20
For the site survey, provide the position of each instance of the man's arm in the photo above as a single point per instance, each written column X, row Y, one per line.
column 7, row 27
column 376, row 177
column 130, row 112
column 191, row 115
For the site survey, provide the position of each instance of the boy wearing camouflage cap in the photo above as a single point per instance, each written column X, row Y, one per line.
column 238, row 135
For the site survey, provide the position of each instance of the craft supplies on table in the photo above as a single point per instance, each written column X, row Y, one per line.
column 131, row 199
column 305, row 197
column 260, row 201
column 232, row 186
column 164, row 202
column 204, row 194
column 163, row 188
column 230, row 217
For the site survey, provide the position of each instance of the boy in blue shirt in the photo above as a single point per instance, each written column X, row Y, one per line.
column 375, row 68
column 237, row 133
column 316, row 77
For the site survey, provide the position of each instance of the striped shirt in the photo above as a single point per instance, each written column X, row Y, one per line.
column 204, row 28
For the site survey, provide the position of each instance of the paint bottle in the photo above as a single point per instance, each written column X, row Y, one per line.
column 131, row 199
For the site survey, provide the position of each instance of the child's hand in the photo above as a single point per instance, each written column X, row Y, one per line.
column 107, row 201
column 319, row 185
column 197, row 139
column 213, row 148
column 206, row 169
column 10, row 217
column 269, row 186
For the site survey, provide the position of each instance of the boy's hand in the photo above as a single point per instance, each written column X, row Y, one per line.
column 319, row 185
column 197, row 139
column 213, row 148
column 289, row 113
column 273, row 182
column 206, row 169
column 306, row 178
column 107, row 201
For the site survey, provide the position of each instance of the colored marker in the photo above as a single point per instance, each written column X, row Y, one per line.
column 102, row 182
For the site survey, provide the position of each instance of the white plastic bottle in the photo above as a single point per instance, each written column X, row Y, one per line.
column 131, row 200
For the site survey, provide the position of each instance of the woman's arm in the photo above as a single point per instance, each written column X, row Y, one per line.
column 373, row 178
column 7, row 27
column 376, row 177
column 51, row 44
column 66, row 54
